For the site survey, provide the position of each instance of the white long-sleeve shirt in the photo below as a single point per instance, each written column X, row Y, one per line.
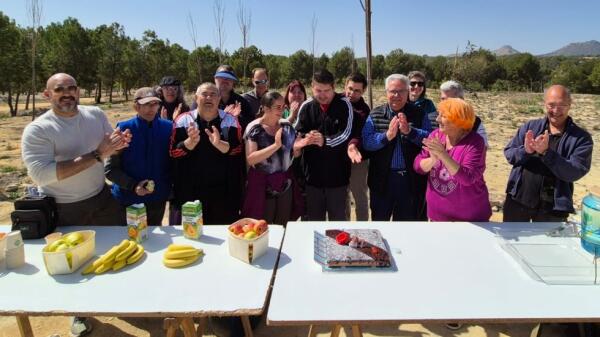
column 51, row 139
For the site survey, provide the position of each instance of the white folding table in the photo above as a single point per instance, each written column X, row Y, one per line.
column 218, row 285
column 443, row 272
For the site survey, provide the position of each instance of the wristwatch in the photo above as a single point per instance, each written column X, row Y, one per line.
column 96, row 155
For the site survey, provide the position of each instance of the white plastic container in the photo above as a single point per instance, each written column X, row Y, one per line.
column 15, row 250
column 248, row 250
column 57, row 262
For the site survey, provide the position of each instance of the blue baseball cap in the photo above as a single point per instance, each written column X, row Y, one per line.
column 226, row 74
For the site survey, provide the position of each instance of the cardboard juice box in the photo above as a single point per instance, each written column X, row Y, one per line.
column 191, row 219
column 137, row 223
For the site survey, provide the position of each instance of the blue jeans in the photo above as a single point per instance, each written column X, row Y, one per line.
column 397, row 202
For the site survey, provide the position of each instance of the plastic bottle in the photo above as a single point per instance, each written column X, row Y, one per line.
column 590, row 221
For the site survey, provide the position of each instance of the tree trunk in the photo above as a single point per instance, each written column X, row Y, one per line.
column 27, row 100
column 11, row 108
column 369, row 51
column 98, row 92
column 17, row 103
column 126, row 92
column 110, row 91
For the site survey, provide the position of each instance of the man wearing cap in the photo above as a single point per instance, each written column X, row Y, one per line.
column 141, row 172
column 171, row 93
column 64, row 152
column 260, row 80
column 232, row 102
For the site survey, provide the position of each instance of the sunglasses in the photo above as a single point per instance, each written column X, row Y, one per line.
column 62, row 90
column 417, row 84
column 261, row 82
column 171, row 88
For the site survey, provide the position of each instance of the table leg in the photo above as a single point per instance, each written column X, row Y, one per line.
column 187, row 325
column 536, row 331
column 312, row 330
column 171, row 325
column 336, row 330
column 24, row 326
column 356, row 331
column 202, row 324
column 247, row 326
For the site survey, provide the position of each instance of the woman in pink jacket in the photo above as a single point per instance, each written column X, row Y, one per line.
column 454, row 158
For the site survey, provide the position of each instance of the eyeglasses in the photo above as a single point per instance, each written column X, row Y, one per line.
column 552, row 106
column 62, row 90
column 205, row 94
column 258, row 82
column 397, row 92
column 170, row 88
column 417, row 84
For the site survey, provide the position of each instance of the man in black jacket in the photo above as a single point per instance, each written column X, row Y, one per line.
column 356, row 84
column 392, row 136
column 325, row 130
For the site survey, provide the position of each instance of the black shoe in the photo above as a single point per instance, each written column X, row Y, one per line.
column 453, row 326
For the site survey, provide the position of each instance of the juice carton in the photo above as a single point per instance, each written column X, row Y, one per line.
column 137, row 224
column 191, row 219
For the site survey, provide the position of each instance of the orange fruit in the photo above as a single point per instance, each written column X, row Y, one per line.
column 132, row 232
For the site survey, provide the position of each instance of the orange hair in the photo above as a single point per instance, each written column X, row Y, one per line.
column 459, row 112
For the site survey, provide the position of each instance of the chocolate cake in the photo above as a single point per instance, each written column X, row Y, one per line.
column 355, row 248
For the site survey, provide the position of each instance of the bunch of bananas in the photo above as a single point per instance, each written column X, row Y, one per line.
column 125, row 253
column 178, row 256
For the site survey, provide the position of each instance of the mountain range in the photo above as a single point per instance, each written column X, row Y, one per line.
column 588, row 48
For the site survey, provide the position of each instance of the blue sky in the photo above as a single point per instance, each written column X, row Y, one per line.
column 281, row 27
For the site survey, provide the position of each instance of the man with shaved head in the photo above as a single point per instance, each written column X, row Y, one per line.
column 64, row 152
column 548, row 154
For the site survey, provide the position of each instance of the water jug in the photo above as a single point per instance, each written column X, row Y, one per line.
column 590, row 221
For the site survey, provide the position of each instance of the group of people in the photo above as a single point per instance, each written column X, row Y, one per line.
column 284, row 157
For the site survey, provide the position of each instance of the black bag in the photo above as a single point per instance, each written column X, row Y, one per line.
column 35, row 217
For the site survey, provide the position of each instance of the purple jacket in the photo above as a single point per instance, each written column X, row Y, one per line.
column 464, row 196
column 256, row 193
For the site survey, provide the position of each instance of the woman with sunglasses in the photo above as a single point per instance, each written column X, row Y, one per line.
column 417, row 96
column 171, row 92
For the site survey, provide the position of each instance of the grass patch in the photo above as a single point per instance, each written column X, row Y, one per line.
column 14, row 195
column 8, row 169
column 531, row 110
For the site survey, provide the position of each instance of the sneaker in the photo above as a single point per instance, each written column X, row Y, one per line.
column 80, row 326
column 453, row 326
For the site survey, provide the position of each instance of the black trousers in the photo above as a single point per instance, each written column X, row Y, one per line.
column 514, row 211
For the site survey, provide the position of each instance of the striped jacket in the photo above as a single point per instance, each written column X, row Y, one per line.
column 327, row 166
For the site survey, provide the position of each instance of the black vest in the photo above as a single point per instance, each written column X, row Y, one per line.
column 380, row 160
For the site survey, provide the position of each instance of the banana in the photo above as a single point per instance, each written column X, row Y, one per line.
column 182, row 254
column 103, row 268
column 178, row 263
column 112, row 253
column 89, row 269
column 118, row 265
column 123, row 255
column 174, row 247
column 137, row 255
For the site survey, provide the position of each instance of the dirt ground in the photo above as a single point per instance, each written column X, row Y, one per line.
column 501, row 113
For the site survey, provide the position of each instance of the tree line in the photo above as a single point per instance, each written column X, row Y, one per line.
column 106, row 61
